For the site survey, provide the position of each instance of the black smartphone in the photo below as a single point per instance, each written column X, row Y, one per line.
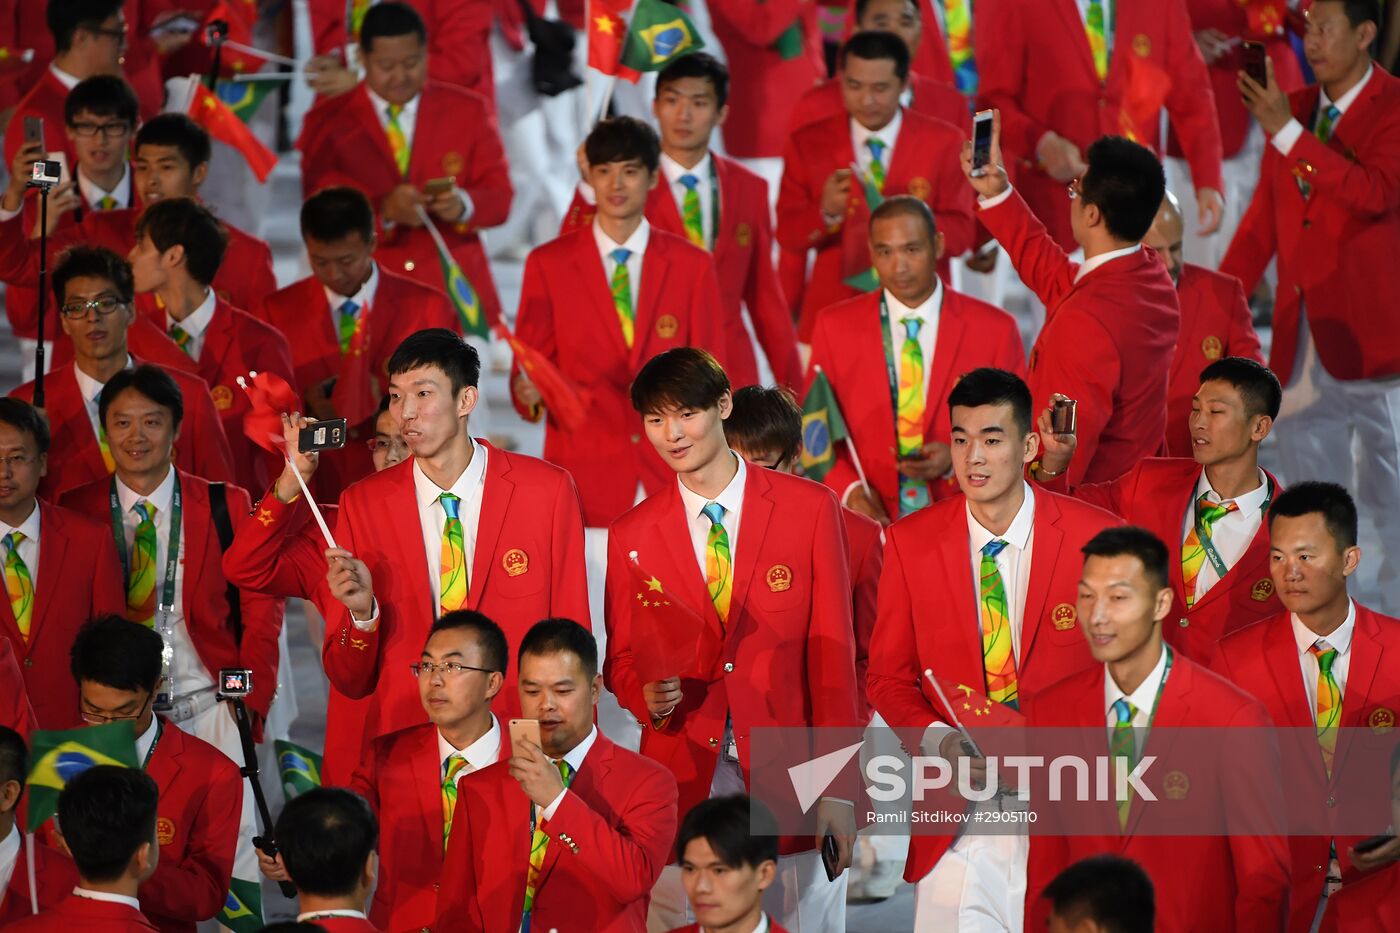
column 831, row 856
column 1255, row 59
column 981, row 142
column 322, row 435
column 33, row 130
column 1063, row 416
column 1372, row 844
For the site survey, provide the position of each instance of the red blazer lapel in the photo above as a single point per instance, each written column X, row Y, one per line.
column 407, row 538
column 1046, row 552
column 219, row 340
column 495, row 503
column 594, row 278
column 370, row 127
column 945, row 356
column 592, row 776
column 1172, row 713
column 673, row 536
column 726, row 238
column 68, row 411
column 662, row 211
column 1281, row 659
column 656, row 264
column 1074, row 22
column 758, row 510
column 1366, row 651
column 963, row 651
column 425, row 773
column 53, row 550
column 201, row 548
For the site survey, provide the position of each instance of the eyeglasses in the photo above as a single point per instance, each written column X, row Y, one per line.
column 100, row 719
column 448, row 669
column 108, row 130
column 16, row 462
column 118, row 35
column 1075, row 188
column 77, row 310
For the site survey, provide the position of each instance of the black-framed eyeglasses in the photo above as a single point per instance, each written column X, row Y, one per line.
column 108, row 130
column 447, row 669
column 77, row 310
column 118, row 35
column 102, row 719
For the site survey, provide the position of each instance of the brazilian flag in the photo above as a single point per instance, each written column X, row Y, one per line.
column 869, row 280
column 245, row 97
column 58, row 757
column 300, row 769
column 822, row 427
column 463, row 297
column 242, row 911
column 658, row 34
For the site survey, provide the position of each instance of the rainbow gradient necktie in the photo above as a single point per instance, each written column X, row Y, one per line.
column 182, row 338
column 1193, row 552
column 398, row 142
column 1098, row 39
column 452, row 572
column 539, row 844
column 106, row 449
column 690, row 211
column 957, row 19
column 1123, row 745
column 455, row 763
column 622, row 294
column 998, row 658
column 1329, row 701
column 19, row 584
column 346, row 322
column 719, row 566
column 877, row 162
column 141, row 575
column 107, row 203
column 913, row 493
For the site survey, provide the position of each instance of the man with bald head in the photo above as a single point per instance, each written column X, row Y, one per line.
column 1215, row 322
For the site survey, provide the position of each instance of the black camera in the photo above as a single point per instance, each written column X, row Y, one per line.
column 235, row 682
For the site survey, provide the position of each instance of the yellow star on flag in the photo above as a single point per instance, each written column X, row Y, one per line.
column 605, row 24
column 654, row 584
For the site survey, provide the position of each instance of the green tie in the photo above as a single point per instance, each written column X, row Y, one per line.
column 398, row 142
column 877, row 163
column 108, row 203
column 141, row 574
column 1098, row 38
column 719, row 564
column 454, row 763
column 539, row 843
column 690, row 211
column 19, row 584
column 348, row 320
column 182, row 338
column 909, row 418
column 1329, row 701
column 1123, row 746
column 1324, row 125
column 622, row 294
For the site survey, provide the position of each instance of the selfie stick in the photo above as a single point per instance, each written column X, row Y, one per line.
column 44, row 186
column 265, row 842
column 216, row 34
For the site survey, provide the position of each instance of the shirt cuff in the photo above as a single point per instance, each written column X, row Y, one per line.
column 933, row 738
column 548, row 812
column 369, row 624
column 585, row 191
column 467, row 205
column 1285, row 139
column 831, row 221
column 11, row 215
column 986, row 203
column 846, row 495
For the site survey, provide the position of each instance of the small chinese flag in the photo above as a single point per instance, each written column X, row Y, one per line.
column 607, row 33
column 1148, row 87
column 269, row 397
column 669, row 639
column 223, row 124
column 564, row 401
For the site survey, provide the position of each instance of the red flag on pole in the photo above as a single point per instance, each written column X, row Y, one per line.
column 668, row 638
column 607, row 34
column 564, row 401
column 223, row 124
column 269, row 397
column 1148, row 86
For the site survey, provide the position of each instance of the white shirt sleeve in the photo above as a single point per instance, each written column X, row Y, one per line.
column 985, row 203
column 1285, row 139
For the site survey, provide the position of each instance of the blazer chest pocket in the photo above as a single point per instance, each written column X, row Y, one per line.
column 519, row 569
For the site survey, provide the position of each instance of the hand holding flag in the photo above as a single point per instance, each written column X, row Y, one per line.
column 564, row 401
column 209, row 111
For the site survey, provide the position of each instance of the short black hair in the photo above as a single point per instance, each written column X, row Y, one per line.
column 765, row 419
column 151, row 381
column 991, row 386
column 697, row 65
column 552, row 636
column 622, row 139
column 1125, row 182
column 1359, row 11
column 326, row 835
column 66, row 17
column 873, row 45
column 741, row 831
column 23, row 416
column 1132, row 541
column 180, row 133
column 440, row 347
column 185, row 222
column 116, row 653
column 14, row 757
column 905, row 205
column 495, row 652
column 1259, row 388
column 102, row 96
column 1111, row 890
column 93, row 262
column 1333, row 502
column 105, row 814
column 682, row 377
column 390, row 20
column 861, row 6
column 332, row 214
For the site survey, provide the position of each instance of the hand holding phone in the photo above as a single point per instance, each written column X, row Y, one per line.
column 322, row 435
column 523, row 729
column 435, row 187
column 981, row 142
column 1255, row 62
column 831, row 857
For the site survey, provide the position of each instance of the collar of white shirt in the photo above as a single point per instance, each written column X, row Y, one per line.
column 408, row 115
column 762, row 926
column 1089, row 265
column 1340, row 639
column 1247, row 503
column 64, row 78
column 928, row 311
column 484, row 751
column 466, row 486
column 1017, row 534
column 730, row 498
column 29, row 527
column 1347, row 99
column 128, row 497
column 9, row 846
column 636, row 243
column 362, row 298
column 89, row 387
column 889, row 134
column 198, row 320
column 674, row 170
column 575, row 755
column 93, row 195
column 110, row 898
column 312, row 915
column 145, row 740
column 1144, row 698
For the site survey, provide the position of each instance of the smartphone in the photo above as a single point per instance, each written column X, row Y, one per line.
column 437, row 186
column 33, row 130
column 322, row 435
column 830, row 857
column 1063, row 416
column 1372, row 844
column 1255, row 59
column 522, row 729
column 981, row 142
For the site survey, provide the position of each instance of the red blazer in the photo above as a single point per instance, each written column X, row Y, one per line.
column 928, row 569
column 1114, row 363
column 567, row 314
column 80, row 578
column 54, row 878
column 1039, row 72
column 205, row 590
column 74, row 912
column 1370, row 905
column 44, row 100
column 1262, row 660
column 197, row 820
column 301, row 313
column 609, row 840
column 925, row 164
column 931, row 57
column 1355, row 179
column 1221, row 883
column 528, row 566
column 15, row 711
column 932, row 97
column 1215, row 323
column 282, row 553
column 848, row 346
column 1156, row 495
column 410, row 867
column 747, row 31
column 343, row 144
column 773, row 927
column 743, row 257
column 865, row 556
column 787, row 653
column 458, row 32
column 75, row 458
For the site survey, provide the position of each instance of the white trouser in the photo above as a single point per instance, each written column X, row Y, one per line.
column 616, row 723
column 800, row 899
column 1348, row 433
column 1239, row 177
column 978, row 886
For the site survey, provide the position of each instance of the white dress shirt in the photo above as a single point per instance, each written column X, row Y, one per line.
column 732, row 500
column 575, row 758
column 196, row 323
column 93, row 193
column 311, row 916
column 1232, row 534
column 107, row 896
column 637, row 244
column 187, row 671
column 432, row 517
column 1013, row 563
column 9, row 858
column 484, row 751
column 28, row 548
column 673, row 171
column 91, row 390
column 145, row 740
column 929, row 312
column 1093, row 262
column 1144, row 698
column 1341, row 639
column 64, row 78
column 888, row 134
column 1107, row 22
column 363, row 298
column 1292, row 131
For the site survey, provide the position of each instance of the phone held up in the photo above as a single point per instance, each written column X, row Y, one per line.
column 981, row 142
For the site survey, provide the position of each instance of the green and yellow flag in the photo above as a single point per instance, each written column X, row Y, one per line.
column 822, row 427
column 299, row 768
column 459, row 290
column 56, row 757
column 658, row 34
column 244, row 97
column 242, row 911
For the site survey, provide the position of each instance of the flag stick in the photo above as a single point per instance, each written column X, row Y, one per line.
column 607, row 98
column 952, row 713
column 33, row 885
column 587, row 57
column 438, row 241
column 855, row 460
column 262, row 53
column 265, row 76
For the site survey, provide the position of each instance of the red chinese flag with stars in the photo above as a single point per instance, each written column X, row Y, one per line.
column 223, row 124
column 566, row 403
column 607, row 34
column 668, row 638
column 269, row 397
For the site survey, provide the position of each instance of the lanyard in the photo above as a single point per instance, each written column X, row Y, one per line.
column 160, row 727
column 1157, row 700
column 1203, row 533
column 890, row 370
column 172, row 551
